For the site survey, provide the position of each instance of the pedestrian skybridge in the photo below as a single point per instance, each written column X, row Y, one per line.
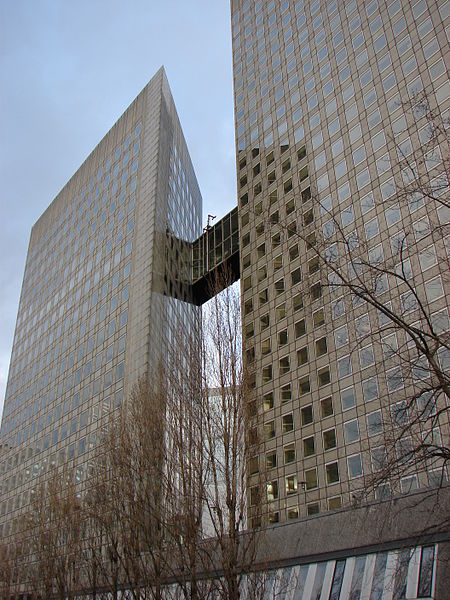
column 216, row 251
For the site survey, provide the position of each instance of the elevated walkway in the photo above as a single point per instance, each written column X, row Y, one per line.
column 215, row 250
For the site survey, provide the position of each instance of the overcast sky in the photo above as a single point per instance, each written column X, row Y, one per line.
column 68, row 70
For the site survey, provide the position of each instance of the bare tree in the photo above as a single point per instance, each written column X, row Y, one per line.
column 54, row 530
column 226, row 424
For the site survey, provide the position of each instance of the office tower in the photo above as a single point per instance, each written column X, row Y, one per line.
column 325, row 144
column 103, row 293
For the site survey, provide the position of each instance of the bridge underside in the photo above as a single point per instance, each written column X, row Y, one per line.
column 216, row 279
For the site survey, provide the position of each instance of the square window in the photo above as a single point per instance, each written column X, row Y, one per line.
column 289, row 454
column 354, row 466
column 304, row 385
column 291, row 485
column 267, row 374
column 374, row 423
column 329, row 439
column 268, row 401
column 300, row 328
column 326, row 407
column 272, row 490
column 344, row 366
column 288, row 423
column 271, row 460
column 370, row 389
column 379, row 458
column 324, row 376
column 266, row 347
column 332, row 471
column 286, row 393
column 282, row 337
column 269, row 430
column 319, row 318
column 321, row 347
column 285, row 366
column 302, row 356
column 309, row 446
column 307, row 415
column 311, row 479
column 351, row 431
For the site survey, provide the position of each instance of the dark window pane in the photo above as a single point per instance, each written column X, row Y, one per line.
column 337, row 580
column 426, row 572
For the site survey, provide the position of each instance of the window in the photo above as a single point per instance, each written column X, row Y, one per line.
column 264, row 321
column 289, row 453
column 280, row 312
column 309, row 446
column 324, row 376
column 276, row 240
column 286, row 393
column 291, row 485
column 263, row 296
column 296, row 276
column 434, row 289
column 266, row 347
column 311, row 479
column 370, row 389
column 292, row 513
column 394, row 379
column 272, row 490
column 348, row 398
column 304, row 385
column 262, row 273
column 371, row 228
column 374, row 423
column 267, row 374
column 302, row 356
column 271, row 460
column 318, row 318
column 379, row 458
column 354, row 466
column 285, row 366
column 332, row 471
column 269, row 430
column 297, row 302
column 329, row 439
column 366, row 357
column 351, row 431
column 341, row 336
column 288, row 423
column 300, row 328
column 268, row 401
column 326, row 407
column 399, row 414
column 307, row 415
column 321, row 347
column 282, row 337
column 344, row 366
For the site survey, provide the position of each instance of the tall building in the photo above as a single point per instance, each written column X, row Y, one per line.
column 326, row 146
column 117, row 265
column 103, row 293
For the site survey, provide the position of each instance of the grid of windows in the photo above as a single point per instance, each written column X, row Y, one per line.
column 318, row 103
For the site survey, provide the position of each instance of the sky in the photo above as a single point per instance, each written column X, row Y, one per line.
column 68, row 70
